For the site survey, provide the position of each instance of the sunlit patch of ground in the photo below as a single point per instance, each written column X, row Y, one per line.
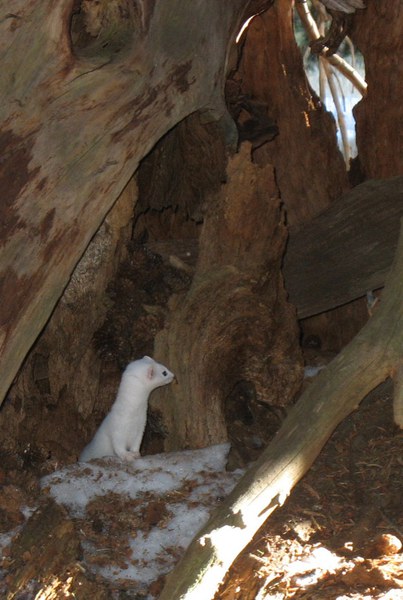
column 339, row 534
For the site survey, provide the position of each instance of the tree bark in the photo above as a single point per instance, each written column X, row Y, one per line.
column 63, row 378
column 369, row 359
column 378, row 35
column 75, row 123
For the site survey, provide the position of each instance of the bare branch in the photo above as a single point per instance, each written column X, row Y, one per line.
column 339, row 111
column 339, row 63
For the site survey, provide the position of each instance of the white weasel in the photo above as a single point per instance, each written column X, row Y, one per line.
column 121, row 432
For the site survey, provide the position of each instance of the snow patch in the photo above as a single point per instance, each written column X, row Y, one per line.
column 180, row 490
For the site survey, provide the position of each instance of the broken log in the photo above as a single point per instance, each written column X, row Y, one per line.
column 373, row 355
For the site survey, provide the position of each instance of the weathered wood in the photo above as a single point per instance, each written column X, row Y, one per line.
column 63, row 378
column 339, row 255
column 74, row 124
column 310, row 171
column 223, row 336
column 345, row 251
column 367, row 361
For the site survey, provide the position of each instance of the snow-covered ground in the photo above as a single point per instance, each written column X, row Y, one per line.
column 170, row 497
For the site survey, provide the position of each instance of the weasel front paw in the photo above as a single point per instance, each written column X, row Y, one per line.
column 127, row 455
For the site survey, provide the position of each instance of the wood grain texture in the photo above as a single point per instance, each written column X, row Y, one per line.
column 234, row 324
column 345, row 251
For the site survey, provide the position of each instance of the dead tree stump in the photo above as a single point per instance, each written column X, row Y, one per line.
column 234, row 330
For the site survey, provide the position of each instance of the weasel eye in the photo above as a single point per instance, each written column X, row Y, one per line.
column 164, row 373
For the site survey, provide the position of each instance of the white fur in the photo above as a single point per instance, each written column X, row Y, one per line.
column 121, row 432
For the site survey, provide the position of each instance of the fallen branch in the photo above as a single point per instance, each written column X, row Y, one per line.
column 374, row 354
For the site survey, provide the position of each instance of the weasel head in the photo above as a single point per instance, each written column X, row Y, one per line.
column 149, row 372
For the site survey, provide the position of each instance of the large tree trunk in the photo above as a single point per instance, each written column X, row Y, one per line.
column 228, row 338
column 374, row 354
column 78, row 112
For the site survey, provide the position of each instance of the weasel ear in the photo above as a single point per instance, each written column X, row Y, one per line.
column 150, row 372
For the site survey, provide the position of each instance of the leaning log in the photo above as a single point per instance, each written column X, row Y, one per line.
column 374, row 355
column 83, row 98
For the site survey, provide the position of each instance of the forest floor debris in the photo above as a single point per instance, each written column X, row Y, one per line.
column 337, row 537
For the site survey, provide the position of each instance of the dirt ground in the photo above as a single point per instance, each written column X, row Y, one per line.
column 350, row 506
column 337, row 537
